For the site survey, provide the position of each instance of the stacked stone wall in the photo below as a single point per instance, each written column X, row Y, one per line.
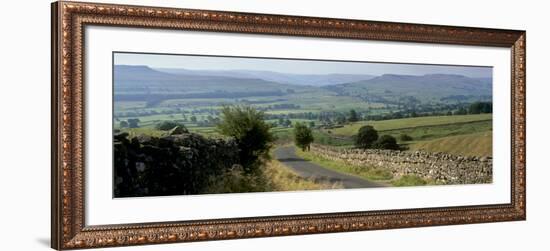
column 177, row 164
column 440, row 167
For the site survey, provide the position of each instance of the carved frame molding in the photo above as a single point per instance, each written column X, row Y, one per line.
column 68, row 226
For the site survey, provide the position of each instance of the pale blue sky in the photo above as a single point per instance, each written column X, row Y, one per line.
column 293, row 66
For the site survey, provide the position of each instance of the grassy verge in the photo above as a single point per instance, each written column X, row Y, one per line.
column 413, row 180
column 369, row 173
column 409, row 180
column 274, row 176
column 283, row 179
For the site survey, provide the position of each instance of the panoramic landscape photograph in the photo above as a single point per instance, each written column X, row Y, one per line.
column 196, row 124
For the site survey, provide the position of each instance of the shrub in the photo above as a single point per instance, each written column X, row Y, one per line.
column 480, row 107
column 133, row 123
column 353, row 117
column 366, row 137
column 251, row 133
column 405, row 137
column 386, row 142
column 123, row 124
column 235, row 180
column 302, row 136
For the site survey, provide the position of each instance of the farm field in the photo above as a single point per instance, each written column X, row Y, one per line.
column 474, row 144
column 469, row 135
column 394, row 124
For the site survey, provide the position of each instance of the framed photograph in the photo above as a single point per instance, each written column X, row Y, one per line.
column 176, row 125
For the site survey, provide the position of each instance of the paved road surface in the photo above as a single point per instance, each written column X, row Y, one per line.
column 306, row 169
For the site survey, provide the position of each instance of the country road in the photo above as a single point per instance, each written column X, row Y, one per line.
column 307, row 169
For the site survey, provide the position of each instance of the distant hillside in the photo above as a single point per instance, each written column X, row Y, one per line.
column 145, row 83
column 284, row 78
column 433, row 87
column 142, row 83
column 139, row 73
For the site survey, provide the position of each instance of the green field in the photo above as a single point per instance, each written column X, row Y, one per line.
column 469, row 135
column 423, row 133
column 474, row 144
column 394, row 124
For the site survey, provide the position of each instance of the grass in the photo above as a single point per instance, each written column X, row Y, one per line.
column 274, row 176
column 468, row 135
column 474, row 144
column 441, row 131
column 369, row 173
column 419, row 134
column 283, row 179
column 409, row 180
column 323, row 138
column 394, row 124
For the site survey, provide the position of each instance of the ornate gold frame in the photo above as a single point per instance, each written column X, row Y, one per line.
column 68, row 228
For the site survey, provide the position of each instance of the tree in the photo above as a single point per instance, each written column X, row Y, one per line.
column 210, row 119
column 302, row 136
column 133, row 123
column 287, row 123
column 123, row 124
column 341, row 119
column 168, row 125
column 251, row 133
column 386, row 142
column 480, row 107
column 193, row 119
column 405, row 137
column 366, row 136
column 461, row 111
column 311, row 124
column 353, row 117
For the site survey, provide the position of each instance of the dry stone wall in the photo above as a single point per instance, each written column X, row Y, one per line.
column 441, row 167
column 177, row 164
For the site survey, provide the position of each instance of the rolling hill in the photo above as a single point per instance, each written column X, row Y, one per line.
column 279, row 77
column 391, row 88
column 142, row 82
column 139, row 83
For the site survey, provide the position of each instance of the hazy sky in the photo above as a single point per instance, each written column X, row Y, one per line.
column 293, row 66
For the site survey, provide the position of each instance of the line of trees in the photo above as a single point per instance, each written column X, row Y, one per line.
column 367, row 138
